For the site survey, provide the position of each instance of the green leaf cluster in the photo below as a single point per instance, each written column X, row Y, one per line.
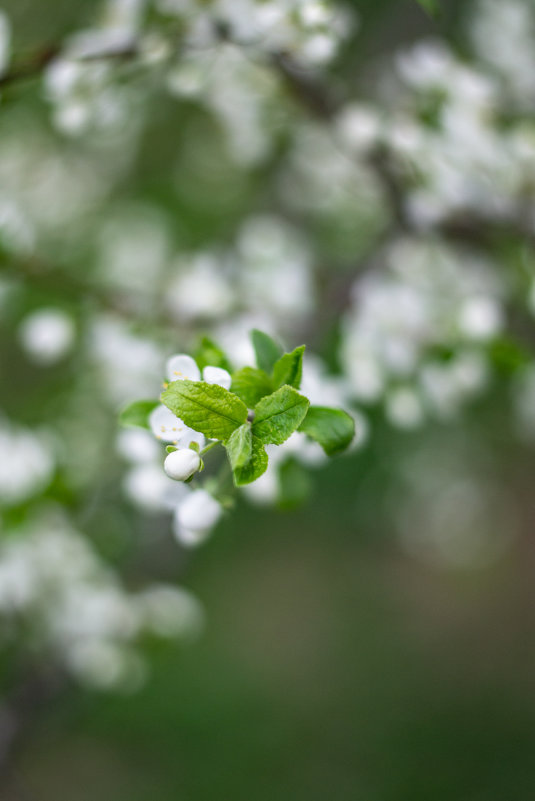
column 263, row 407
column 274, row 370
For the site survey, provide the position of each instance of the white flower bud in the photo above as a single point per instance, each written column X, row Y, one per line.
column 182, row 464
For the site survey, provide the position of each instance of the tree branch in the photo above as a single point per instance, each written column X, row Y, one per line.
column 37, row 64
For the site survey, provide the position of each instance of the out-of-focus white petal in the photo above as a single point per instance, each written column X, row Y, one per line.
column 200, row 510
column 216, row 375
column 182, row 366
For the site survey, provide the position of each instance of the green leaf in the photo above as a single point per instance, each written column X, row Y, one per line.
column 137, row 413
column 208, row 408
column 170, row 449
column 333, row 429
column 289, row 368
column 266, row 349
column 209, row 353
column 278, row 415
column 254, row 467
column 251, row 384
column 239, row 446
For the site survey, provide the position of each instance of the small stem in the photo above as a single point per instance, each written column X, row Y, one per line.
column 209, row 447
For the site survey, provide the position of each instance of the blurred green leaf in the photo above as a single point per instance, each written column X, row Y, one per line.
column 333, row 429
column 136, row 414
column 266, row 349
column 210, row 354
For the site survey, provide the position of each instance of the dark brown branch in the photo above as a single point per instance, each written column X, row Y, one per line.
column 31, row 68
column 306, row 89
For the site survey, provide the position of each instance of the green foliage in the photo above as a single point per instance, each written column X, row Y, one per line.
column 255, row 465
column 278, row 409
column 289, row 369
column 136, row 414
column 209, row 353
column 251, row 384
column 207, row 408
column 239, row 446
column 266, row 349
column 279, row 414
column 333, row 429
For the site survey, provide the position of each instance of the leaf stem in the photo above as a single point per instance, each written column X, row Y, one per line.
column 209, row 447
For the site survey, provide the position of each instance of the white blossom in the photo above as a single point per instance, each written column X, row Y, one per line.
column 27, row 464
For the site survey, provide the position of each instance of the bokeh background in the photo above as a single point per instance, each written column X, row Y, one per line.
column 362, row 629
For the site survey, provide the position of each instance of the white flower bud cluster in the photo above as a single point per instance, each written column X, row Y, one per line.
column 128, row 364
column 42, row 187
column 310, row 30
column 195, row 511
column 85, row 97
column 57, row 593
column 47, row 335
column 270, row 271
column 27, row 463
column 424, row 296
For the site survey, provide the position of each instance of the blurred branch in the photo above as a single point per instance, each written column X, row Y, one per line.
column 70, row 285
column 31, row 68
column 39, row 61
column 305, row 88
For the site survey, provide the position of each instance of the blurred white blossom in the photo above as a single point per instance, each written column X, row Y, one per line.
column 47, row 335
column 57, row 592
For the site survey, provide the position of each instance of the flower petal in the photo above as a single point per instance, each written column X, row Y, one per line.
column 216, row 375
column 181, row 366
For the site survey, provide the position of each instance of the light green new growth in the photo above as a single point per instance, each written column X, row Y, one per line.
column 251, row 384
column 239, row 446
column 333, row 429
column 289, row 369
column 254, row 467
column 267, row 351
